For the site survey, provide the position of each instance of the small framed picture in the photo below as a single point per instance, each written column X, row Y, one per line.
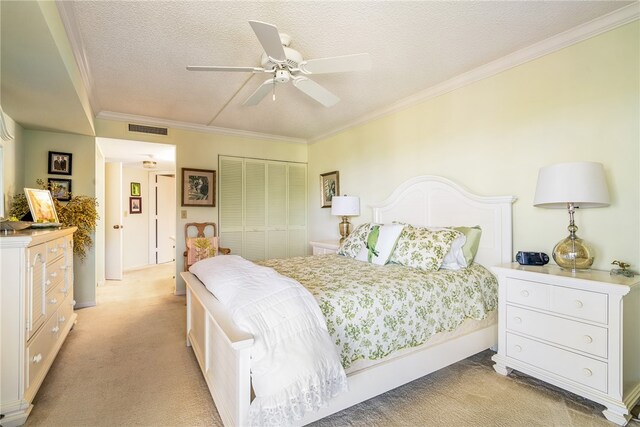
column 41, row 206
column 329, row 187
column 60, row 189
column 135, row 189
column 135, row 205
column 198, row 187
column 59, row 163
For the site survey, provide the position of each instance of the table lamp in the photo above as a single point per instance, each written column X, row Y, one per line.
column 345, row 206
column 571, row 186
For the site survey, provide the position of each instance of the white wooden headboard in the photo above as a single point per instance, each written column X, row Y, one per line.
column 438, row 202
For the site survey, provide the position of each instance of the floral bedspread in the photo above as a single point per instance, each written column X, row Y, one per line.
column 373, row 310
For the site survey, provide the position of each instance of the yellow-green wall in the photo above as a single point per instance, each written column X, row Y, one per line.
column 12, row 161
column 578, row 104
column 36, row 146
column 200, row 151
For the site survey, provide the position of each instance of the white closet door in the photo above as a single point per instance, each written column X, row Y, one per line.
column 277, row 210
column 297, row 210
column 263, row 208
column 230, row 221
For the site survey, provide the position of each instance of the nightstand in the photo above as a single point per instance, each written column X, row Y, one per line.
column 321, row 247
column 578, row 331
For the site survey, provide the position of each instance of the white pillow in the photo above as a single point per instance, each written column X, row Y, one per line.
column 378, row 250
column 454, row 259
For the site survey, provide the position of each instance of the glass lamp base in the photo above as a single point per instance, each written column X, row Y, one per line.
column 572, row 253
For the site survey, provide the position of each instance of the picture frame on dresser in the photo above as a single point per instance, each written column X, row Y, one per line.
column 41, row 206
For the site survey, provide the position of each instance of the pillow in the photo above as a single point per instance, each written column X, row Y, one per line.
column 454, row 259
column 423, row 248
column 470, row 248
column 380, row 243
column 199, row 248
column 355, row 241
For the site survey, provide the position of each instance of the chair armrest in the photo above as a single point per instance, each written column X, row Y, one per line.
column 224, row 251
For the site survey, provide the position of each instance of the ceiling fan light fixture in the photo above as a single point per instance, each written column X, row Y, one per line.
column 149, row 164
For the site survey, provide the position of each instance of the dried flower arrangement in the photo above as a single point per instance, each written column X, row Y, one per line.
column 79, row 211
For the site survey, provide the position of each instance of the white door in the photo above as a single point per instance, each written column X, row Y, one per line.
column 165, row 218
column 113, row 221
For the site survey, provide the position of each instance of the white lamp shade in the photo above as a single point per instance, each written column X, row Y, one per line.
column 345, row 205
column 580, row 183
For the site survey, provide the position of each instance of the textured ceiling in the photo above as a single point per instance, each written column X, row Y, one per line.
column 137, row 52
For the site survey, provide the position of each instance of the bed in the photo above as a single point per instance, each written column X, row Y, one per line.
column 223, row 350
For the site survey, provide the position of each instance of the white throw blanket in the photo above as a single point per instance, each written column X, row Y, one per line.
column 295, row 367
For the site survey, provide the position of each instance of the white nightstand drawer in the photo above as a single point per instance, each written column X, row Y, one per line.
column 532, row 294
column 577, row 368
column 578, row 303
column 580, row 336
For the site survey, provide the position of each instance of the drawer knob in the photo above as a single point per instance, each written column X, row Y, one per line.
column 587, row 372
column 53, row 250
column 62, row 319
column 517, row 320
column 588, row 339
column 37, row 358
column 524, row 293
column 578, row 303
column 517, row 348
column 53, row 301
column 55, row 329
column 54, row 274
column 73, row 303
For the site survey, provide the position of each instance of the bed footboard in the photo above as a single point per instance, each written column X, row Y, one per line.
column 223, row 352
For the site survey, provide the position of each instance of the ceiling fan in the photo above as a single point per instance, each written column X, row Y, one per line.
column 287, row 65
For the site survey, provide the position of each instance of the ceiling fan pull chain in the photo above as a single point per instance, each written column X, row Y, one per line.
column 274, row 90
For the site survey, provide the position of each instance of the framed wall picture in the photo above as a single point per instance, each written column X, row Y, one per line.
column 135, row 205
column 135, row 189
column 60, row 189
column 59, row 163
column 198, row 187
column 329, row 187
column 41, row 206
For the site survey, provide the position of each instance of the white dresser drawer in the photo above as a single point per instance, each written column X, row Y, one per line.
column 54, row 299
column 578, row 303
column 56, row 248
column 525, row 292
column 572, row 366
column 39, row 350
column 55, row 273
column 580, row 336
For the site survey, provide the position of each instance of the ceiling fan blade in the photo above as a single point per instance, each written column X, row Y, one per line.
column 315, row 91
column 260, row 93
column 337, row 64
column 217, row 68
column 269, row 39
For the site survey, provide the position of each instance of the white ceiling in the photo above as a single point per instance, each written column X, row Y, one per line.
column 132, row 153
column 134, row 55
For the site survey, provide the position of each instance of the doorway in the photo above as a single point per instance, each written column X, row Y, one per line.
column 132, row 230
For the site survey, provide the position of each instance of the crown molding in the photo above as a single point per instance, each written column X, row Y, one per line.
column 152, row 121
column 68, row 17
column 567, row 38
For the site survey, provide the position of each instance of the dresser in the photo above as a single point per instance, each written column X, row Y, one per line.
column 321, row 247
column 36, row 313
column 578, row 331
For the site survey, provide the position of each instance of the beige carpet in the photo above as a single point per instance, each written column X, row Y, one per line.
column 125, row 364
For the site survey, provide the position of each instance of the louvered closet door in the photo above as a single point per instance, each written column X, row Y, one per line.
column 231, row 221
column 297, row 210
column 277, row 210
column 263, row 208
column 254, row 208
